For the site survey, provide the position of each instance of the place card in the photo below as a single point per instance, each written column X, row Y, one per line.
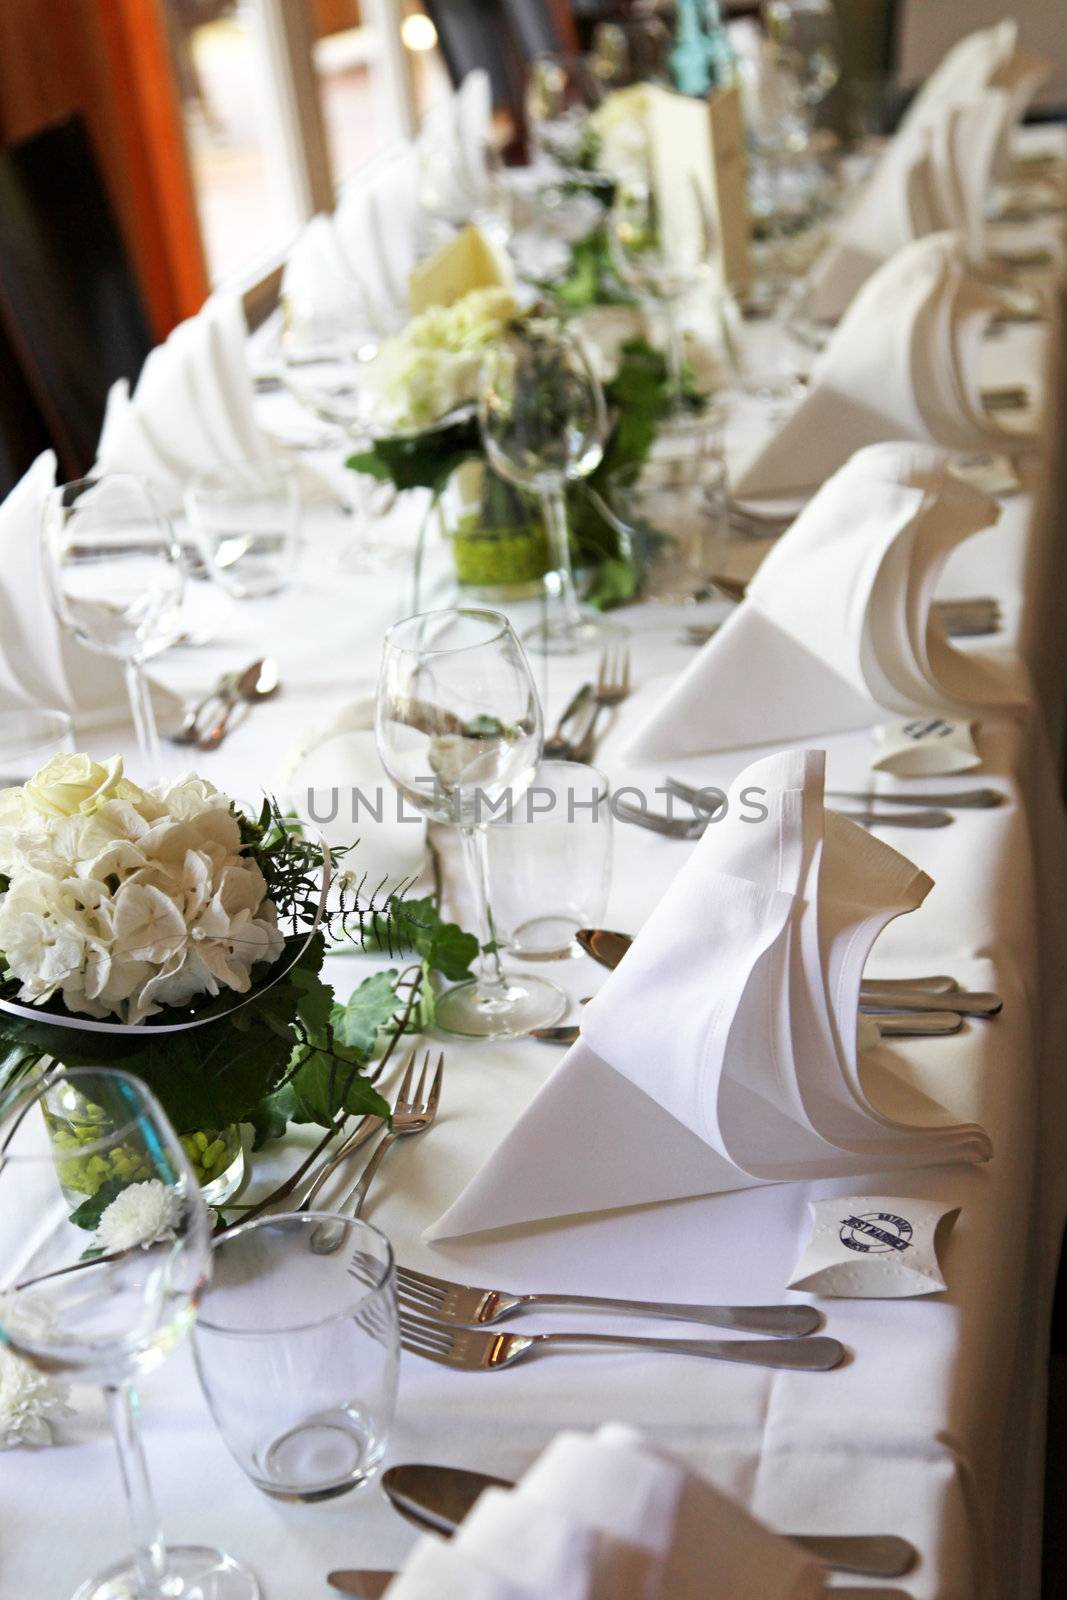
column 926, row 747
column 469, row 261
column 697, row 157
column 866, row 1246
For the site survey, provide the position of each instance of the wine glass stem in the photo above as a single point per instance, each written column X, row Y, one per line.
column 144, row 718
column 555, row 512
column 675, row 357
column 492, row 981
column 149, row 1551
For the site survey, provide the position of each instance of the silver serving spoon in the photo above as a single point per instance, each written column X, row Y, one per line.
column 257, row 682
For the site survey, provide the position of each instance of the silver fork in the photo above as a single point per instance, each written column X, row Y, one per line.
column 410, row 1116
column 611, row 688
column 475, row 1350
column 468, row 1307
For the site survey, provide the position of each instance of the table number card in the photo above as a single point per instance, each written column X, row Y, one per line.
column 697, row 160
column 469, row 261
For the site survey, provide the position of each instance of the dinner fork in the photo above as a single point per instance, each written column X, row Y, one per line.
column 475, row 1350
column 468, row 1307
column 611, row 688
column 410, row 1116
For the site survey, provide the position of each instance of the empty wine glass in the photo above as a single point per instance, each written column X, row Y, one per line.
column 807, row 34
column 102, row 1293
column 663, row 258
column 114, row 574
column 544, row 424
column 561, row 91
column 460, row 733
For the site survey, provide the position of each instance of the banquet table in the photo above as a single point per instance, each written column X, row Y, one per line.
column 933, row 1429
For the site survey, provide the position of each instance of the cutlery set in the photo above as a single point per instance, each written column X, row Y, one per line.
column 611, row 688
column 972, row 618
column 207, row 722
column 436, row 1499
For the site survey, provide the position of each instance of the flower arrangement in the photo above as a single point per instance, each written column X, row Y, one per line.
column 434, row 366
column 163, row 931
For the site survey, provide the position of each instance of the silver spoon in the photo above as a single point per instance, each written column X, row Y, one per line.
column 257, row 682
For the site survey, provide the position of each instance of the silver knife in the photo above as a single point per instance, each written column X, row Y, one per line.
column 371, row 1585
column 930, row 818
column 439, row 1498
column 967, row 799
column 917, row 1024
column 968, row 1004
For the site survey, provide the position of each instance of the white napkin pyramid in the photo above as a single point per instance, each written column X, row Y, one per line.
column 971, row 65
column 934, row 176
column 838, row 626
column 755, row 952
column 606, row 1517
column 192, row 409
column 378, row 226
column 903, row 363
column 41, row 664
column 456, row 133
column 320, row 284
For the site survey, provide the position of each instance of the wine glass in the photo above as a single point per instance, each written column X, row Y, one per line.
column 807, row 34
column 561, row 91
column 460, row 733
column 544, row 425
column 113, row 569
column 663, row 258
column 102, row 1293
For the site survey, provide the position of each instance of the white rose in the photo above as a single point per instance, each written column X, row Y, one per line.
column 69, row 784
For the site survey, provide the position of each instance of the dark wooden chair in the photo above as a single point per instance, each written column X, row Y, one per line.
column 69, row 303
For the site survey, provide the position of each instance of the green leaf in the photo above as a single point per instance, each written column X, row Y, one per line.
column 421, row 461
column 615, row 583
column 271, row 1118
column 90, row 1211
column 324, row 1086
column 370, row 1008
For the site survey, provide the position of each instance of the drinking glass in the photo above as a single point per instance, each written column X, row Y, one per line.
column 30, row 738
column 662, row 261
column 807, row 33
column 561, row 91
column 679, row 503
column 550, row 862
column 299, row 1353
column 246, row 520
column 113, row 568
column 544, row 425
column 460, row 733
column 111, row 1317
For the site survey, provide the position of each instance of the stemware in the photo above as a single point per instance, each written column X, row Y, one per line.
column 103, row 1293
column 807, row 33
column 662, row 257
column 114, row 574
column 544, row 424
column 460, row 734
column 30, row 738
column 561, row 91
column 247, row 523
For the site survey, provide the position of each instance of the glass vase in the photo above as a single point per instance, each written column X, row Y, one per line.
column 73, row 1122
column 499, row 545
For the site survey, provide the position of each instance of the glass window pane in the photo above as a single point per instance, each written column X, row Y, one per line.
column 235, row 135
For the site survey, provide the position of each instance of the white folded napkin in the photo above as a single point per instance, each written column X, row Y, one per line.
column 934, row 176
column 435, row 1569
column 971, row 65
column 667, row 1533
column 455, row 135
column 903, row 363
column 192, row 409
column 378, row 227
column 838, row 626
column 321, row 286
column 755, row 952
column 41, row 664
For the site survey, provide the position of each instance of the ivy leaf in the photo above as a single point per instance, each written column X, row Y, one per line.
column 90, row 1211
column 443, row 946
column 369, row 1009
column 325, row 1086
column 272, row 1116
column 421, row 461
column 615, row 583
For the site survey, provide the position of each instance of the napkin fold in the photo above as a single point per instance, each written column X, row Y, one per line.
column 456, row 135
column 755, row 953
column 602, row 1517
column 971, row 65
column 192, row 409
column 838, row 627
column 41, row 664
column 934, row 176
column 903, row 363
column 378, row 226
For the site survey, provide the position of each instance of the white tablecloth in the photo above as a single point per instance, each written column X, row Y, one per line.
column 932, row 1430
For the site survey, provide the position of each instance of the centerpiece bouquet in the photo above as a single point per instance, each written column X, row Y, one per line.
column 426, row 383
column 166, row 932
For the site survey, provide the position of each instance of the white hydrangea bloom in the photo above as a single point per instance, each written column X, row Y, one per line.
column 30, row 1401
column 435, row 365
column 143, row 1214
column 123, row 900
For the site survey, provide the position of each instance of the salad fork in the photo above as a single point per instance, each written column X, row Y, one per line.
column 475, row 1350
column 469, row 1307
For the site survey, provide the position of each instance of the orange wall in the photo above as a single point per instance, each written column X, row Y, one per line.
column 108, row 59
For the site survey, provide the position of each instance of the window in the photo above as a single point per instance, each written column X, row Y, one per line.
column 283, row 101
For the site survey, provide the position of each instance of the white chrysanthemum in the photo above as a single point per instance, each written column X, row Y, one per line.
column 143, row 1214
column 30, row 1401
